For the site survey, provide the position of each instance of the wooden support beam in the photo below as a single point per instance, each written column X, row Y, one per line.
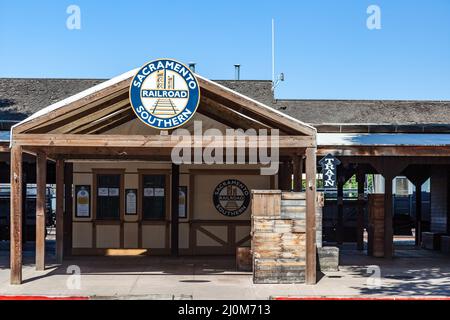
column 68, row 210
column 361, row 179
column 174, row 209
column 418, row 237
column 285, row 175
column 340, row 206
column 311, row 252
column 16, row 215
column 388, row 217
column 59, row 210
column 298, row 171
column 41, row 184
column 150, row 141
column 25, row 169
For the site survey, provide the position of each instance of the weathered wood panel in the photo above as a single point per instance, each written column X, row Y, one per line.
column 16, row 215
column 266, row 203
column 376, row 225
column 278, row 237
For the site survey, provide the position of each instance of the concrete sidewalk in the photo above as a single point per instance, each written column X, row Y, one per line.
column 412, row 273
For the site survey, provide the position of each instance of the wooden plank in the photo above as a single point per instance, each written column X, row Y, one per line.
column 59, row 210
column 149, row 141
column 90, row 101
column 293, row 196
column 266, row 204
column 16, row 215
column 311, row 170
column 94, row 116
column 227, row 116
column 41, row 181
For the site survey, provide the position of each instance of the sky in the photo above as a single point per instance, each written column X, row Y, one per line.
column 323, row 47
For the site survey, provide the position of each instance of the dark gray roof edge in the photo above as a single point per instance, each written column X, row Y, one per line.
column 275, row 101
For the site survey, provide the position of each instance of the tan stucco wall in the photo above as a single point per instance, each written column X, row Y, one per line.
column 155, row 236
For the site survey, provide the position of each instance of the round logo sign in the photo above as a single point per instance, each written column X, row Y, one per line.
column 231, row 198
column 164, row 94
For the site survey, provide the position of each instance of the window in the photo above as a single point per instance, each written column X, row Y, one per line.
column 153, row 197
column 108, row 196
column 401, row 187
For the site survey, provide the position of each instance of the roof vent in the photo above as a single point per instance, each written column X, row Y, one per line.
column 192, row 66
column 237, row 72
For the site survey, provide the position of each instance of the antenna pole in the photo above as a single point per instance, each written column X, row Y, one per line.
column 273, row 51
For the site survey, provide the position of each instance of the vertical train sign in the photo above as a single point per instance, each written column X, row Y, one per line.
column 329, row 165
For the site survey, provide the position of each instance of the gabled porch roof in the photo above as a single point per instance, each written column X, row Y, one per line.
column 97, row 109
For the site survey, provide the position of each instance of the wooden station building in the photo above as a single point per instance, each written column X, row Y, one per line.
column 98, row 153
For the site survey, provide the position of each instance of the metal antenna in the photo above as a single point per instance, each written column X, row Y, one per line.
column 275, row 79
column 273, row 51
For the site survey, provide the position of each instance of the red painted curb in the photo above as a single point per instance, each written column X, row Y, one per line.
column 363, row 298
column 23, row 298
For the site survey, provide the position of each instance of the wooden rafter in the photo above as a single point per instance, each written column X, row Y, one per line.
column 95, row 115
column 253, row 108
column 227, row 116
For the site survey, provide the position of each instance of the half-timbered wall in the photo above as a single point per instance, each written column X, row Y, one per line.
column 203, row 231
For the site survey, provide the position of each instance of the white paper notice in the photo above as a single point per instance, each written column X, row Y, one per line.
column 131, row 202
column 149, row 192
column 159, row 192
column 113, row 192
column 102, row 192
column 82, row 203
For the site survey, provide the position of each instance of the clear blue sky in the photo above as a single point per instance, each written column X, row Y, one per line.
column 323, row 46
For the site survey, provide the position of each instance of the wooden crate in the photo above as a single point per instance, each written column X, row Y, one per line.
column 279, row 241
column 243, row 259
column 279, row 271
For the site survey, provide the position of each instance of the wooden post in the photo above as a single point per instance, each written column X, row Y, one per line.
column 59, row 210
column 298, row 171
column 24, row 202
column 41, row 181
column 174, row 208
column 418, row 236
column 360, row 177
column 285, row 175
column 311, row 216
column 68, row 204
column 388, row 215
column 340, row 207
column 16, row 215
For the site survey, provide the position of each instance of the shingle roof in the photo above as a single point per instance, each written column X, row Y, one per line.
column 366, row 111
column 20, row 98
